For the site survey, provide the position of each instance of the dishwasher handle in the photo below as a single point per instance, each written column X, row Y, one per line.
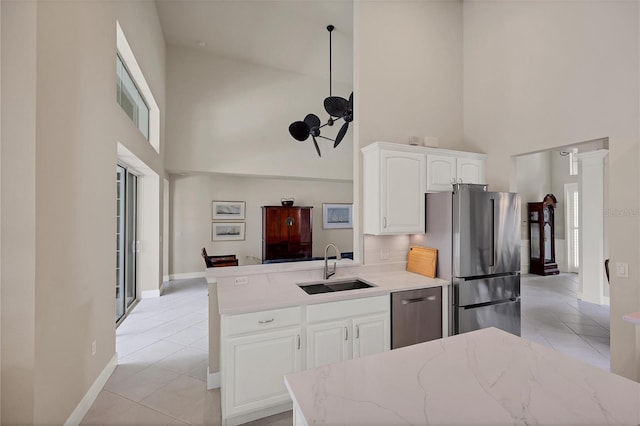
column 418, row 299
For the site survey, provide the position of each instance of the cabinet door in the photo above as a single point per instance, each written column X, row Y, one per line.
column 297, row 221
column 441, row 172
column 327, row 342
column 403, row 187
column 255, row 366
column 370, row 334
column 470, row 170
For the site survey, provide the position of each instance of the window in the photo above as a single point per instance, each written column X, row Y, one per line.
column 133, row 92
column 573, row 164
column 130, row 98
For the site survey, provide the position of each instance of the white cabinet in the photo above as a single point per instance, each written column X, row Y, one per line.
column 257, row 351
column 393, row 189
column 255, row 366
column 348, row 329
column 327, row 342
column 445, row 168
column 259, row 348
column 370, row 335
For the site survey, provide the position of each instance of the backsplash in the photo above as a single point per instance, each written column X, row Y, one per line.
column 385, row 248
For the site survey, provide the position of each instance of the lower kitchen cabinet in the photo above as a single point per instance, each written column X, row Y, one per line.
column 347, row 329
column 327, row 342
column 268, row 357
column 370, row 335
column 257, row 350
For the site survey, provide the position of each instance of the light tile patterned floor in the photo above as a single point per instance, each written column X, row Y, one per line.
column 552, row 315
column 162, row 347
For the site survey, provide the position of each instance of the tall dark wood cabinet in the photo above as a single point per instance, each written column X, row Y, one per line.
column 286, row 232
column 542, row 246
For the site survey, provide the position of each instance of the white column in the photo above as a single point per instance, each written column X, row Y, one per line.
column 591, row 217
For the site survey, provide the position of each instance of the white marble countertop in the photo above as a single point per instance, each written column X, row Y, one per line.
column 259, row 288
column 632, row 318
column 486, row 377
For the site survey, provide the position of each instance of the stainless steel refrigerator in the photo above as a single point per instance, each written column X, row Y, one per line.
column 477, row 234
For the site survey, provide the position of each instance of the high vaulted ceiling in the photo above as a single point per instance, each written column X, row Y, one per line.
column 285, row 34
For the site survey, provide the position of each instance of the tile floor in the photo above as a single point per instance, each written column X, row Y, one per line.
column 163, row 343
column 552, row 315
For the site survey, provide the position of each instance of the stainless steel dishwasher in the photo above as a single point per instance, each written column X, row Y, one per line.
column 416, row 316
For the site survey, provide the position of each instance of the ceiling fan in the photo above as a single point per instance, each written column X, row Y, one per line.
column 338, row 109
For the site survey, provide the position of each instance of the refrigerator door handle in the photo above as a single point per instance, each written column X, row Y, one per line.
column 493, row 233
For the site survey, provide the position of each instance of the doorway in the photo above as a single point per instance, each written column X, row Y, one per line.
column 126, row 240
column 555, row 309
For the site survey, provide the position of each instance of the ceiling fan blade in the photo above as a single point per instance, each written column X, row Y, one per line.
column 336, row 106
column 312, row 120
column 317, row 147
column 299, row 130
column 341, row 133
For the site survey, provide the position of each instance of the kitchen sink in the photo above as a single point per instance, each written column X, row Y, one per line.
column 332, row 286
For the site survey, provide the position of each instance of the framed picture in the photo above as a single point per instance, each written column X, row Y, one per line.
column 227, row 231
column 337, row 216
column 227, row 210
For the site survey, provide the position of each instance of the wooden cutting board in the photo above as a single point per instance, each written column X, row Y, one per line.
column 422, row 260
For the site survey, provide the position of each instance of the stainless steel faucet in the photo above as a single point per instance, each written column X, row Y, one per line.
column 328, row 273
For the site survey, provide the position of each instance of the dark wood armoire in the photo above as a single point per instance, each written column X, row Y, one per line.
column 542, row 246
column 286, row 232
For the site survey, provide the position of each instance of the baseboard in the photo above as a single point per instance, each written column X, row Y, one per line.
column 606, row 301
column 213, row 380
column 147, row 294
column 186, row 275
column 90, row 397
column 166, row 278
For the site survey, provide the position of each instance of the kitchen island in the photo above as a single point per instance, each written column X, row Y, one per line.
column 265, row 326
column 482, row 377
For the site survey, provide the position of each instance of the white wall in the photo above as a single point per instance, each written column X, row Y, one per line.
column 64, row 148
column 191, row 215
column 18, row 220
column 408, row 77
column 229, row 116
column 544, row 74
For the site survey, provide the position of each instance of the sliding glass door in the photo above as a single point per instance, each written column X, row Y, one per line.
column 126, row 240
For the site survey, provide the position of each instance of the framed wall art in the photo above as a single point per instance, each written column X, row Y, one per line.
column 227, row 210
column 337, row 216
column 227, row 231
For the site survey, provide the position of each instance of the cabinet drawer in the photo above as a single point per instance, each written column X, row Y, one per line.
column 347, row 308
column 263, row 320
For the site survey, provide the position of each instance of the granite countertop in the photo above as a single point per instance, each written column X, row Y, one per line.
column 484, row 377
column 264, row 288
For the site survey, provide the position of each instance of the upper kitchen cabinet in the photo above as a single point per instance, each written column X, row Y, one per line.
column 393, row 188
column 445, row 168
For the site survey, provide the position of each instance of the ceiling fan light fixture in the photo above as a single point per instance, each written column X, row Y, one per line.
column 338, row 109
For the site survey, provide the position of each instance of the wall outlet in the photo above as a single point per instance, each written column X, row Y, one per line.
column 242, row 280
column 93, row 347
column 622, row 270
column 384, row 254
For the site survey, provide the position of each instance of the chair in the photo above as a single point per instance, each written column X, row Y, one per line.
column 219, row 261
